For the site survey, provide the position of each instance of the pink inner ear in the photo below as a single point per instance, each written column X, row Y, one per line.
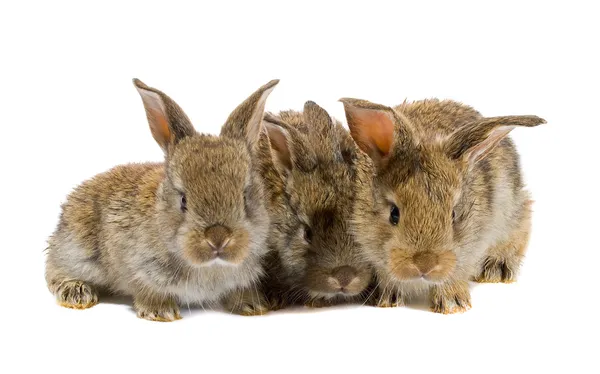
column 372, row 129
column 159, row 127
column 279, row 144
column 483, row 149
column 157, row 117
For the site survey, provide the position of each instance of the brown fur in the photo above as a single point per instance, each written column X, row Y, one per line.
column 312, row 183
column 189, row 230
column 463, row 210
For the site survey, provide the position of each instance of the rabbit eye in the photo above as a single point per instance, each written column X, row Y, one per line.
column 453, row 215
column 394, row 215
column 183, row 202
column 307, row 234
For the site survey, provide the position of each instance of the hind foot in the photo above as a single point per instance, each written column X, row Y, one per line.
column 76, row 295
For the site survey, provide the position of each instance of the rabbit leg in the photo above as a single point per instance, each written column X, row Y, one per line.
column 449, row 298
column 246, row 302
column 156, row 308
column 71, row 280
column 502, row 261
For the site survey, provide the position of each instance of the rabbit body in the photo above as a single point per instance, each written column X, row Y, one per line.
column 311, row 177
column 112, row 234
column 447, row 203
column 191, row 230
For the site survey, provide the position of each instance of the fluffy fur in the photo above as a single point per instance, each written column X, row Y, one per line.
column 190, row 230
column 462, row 209
column 312, row 177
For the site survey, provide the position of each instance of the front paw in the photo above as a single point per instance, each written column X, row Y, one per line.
column 318, row 303
column 161, row 311
column 451, row 298
column 277, row 302
column 76, row 295
column 387, row 299
column 246, row 303
column 496, row 270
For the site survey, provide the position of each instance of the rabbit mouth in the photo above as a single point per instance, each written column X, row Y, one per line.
column 217, row 261
column 341, row 294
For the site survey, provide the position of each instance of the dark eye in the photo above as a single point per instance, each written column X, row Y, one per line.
column 453, row 215
column 307, row 234
column 183, row 202
column 394, row 215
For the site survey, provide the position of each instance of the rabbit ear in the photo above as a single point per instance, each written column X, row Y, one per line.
column 371, row 126
column 474, row 141
column 318, row 119
column 321, row 130
column 292, row 148
column 278, row 137
column 168, row 123
column 245, row 122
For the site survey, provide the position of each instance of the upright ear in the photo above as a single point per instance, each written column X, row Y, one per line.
column 168, row 123
column 474, row 141
column 371, row 126
column 245, row 122
column 318, row 119
column 291, row 148
column 278, row 137
column 322, row 133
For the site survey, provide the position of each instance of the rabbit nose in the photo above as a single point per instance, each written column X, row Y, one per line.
column 217, row 237
column 425, row 262
column 344, row 275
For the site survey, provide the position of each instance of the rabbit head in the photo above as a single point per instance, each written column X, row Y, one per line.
column 425, row 202
column 319, row 163
column 211, row 210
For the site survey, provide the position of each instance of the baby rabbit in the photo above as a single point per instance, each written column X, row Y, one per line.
column 189, row 230
column 448, row 203
column 312, row 180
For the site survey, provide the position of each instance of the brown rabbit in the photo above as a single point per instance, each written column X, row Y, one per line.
column 448, row 203
column 191, row 230
column 312, row 183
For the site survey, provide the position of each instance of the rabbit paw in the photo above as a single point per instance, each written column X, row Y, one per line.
column 451, row 298
column 387, row 299
column 76, row 295
column 318, row 303
column 496, row 270
column 164, row 311
column 277, row 302
column 247, row 303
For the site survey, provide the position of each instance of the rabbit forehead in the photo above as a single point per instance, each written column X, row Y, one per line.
column 329, row 187
column 209, row 158
column 430, row 177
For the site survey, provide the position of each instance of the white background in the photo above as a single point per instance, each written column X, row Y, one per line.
column 69, row 111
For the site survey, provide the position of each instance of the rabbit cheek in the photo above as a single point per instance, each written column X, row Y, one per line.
column 430, row 266
column 401, row 265
column 317, row 280
column 446, row 262
column 196, row 249
column 344, row 281
column 238, row 248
